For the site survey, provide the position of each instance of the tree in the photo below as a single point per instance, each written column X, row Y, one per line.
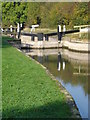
column 33, row 13
column 47, row 14
column 13, row 13
column 80, row 14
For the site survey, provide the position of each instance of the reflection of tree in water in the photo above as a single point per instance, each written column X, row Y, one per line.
column 67, row 74
column 68, row 77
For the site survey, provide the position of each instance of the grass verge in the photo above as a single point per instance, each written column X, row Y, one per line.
column 40, row 30
column 28, row 92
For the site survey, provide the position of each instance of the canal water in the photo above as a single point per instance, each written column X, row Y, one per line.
column 70, row 69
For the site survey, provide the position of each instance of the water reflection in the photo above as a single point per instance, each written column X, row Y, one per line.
column 71, row 69
column 60, row 62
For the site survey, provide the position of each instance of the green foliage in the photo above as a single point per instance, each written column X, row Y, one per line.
column 0, row 12
column 46, row 14
column 13, row 12
column 33, row 13
column 80, row 14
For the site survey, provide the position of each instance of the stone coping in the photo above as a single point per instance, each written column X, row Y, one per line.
column 76, row 46
column 73, row 45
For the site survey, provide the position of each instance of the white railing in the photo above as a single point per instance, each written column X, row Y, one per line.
column 83, row 28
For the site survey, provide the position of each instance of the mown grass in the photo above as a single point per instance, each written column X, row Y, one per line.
column 40, row 30
column 78, row 36
column 27, row 91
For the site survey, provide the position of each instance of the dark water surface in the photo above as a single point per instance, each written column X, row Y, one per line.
column 70, row 69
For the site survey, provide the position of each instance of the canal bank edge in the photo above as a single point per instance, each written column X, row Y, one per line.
column 69, row 99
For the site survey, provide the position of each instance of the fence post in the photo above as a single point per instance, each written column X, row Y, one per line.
column 80, row 32
column 59, row 33
column 21, row 26
column 18, row 30
column 40, row 36
column 46, row 37
column 64, row 29
column 32, row 38
column 59, row 28
column 11, row 28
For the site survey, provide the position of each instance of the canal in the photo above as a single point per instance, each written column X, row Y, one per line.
column 70, row 69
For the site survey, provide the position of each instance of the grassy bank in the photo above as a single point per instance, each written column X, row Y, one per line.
column 78, row 37
column 40, row 30
column 28, row 92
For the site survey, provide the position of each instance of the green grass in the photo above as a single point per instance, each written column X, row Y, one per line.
column 28, row 92
column 40, row 30
column 78, row 36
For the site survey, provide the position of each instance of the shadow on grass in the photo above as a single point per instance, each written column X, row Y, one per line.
column 55, row 109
